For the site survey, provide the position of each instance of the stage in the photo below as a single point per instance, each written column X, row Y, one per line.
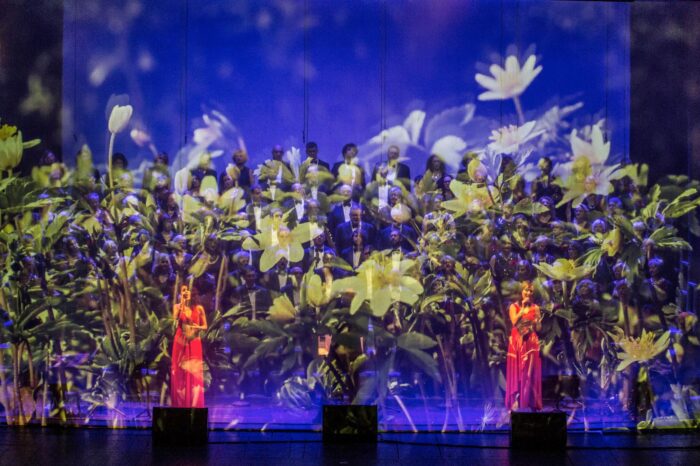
column 106, row 447
column 286, row 208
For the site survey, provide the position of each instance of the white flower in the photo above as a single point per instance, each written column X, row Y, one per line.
column 210, row 133
column 441, row 135
column 294, row 158
column 119, row 118
column 597, row 151
column 553, row 122
column 182, row 181
column 140, row 137
column 508, row 139
column 509, row 82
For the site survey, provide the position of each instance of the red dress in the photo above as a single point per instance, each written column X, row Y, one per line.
column 523, row 365
column 186, row 372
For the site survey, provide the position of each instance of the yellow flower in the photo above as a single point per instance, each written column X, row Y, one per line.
column 642, row 349
column 7, row 131
column 596, row 151
column 275, row 172
column 469, row 198
column 586, row 179
column 209, row 189
column 11, row 147
column 509, row 82
column 564, row 270
column 349, row 174
column 381, row 281
column 282, row 310
column 233, row 171
column 84, row 163
column 232, row 200
column 477, row 171
column 276, row 241
column 612, row 241
column 317, row 292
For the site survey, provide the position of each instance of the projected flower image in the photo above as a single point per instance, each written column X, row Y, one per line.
column 317, row 238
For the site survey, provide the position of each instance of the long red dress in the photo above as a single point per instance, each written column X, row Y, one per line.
column 523, row 365
column 186, row 371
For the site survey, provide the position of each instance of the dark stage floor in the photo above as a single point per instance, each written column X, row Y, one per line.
column 104, row 447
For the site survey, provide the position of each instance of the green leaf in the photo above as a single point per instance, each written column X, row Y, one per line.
column 415, row 340
column 424, row 362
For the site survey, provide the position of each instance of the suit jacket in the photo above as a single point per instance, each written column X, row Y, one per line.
column 263, row 300
column 289, row 205
column 289, row 290
column 309, row 260
column 347, row 256
column 343, row 235
column 271, row 280
column 320, row 163
column 245, row 179
column 407, row 233
column 336, row 216
column 403, row 173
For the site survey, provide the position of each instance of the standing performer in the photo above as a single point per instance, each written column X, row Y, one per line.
column 186, row 372
column 523, row 366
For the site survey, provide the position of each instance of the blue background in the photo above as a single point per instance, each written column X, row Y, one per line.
column 178, row 59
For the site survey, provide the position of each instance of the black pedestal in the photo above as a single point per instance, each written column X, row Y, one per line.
column 544, row 431
column 180, row 426
column 349, row 423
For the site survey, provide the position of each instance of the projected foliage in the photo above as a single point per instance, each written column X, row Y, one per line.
column 414, row 318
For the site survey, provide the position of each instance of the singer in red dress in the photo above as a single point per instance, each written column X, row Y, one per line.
column 523, row 366
column 186, row 372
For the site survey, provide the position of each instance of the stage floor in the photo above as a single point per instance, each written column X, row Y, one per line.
column 264, row 413
column 95, row 446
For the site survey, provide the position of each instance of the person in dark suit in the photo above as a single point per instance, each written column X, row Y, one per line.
column 392, row 170
column 407, row 237
column 348, row 171
column 316, row 255
column 312, row 154
column 296, row 205
column 257, row 208
column 246, row 178
column 278, row 277
column 293, row 287
column 251, row 296
column 394, row 245
column 343, row 234
column 340, row 212
column 354, row 255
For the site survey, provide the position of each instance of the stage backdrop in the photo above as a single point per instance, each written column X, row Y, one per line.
column 285, row 72
column 217, row 75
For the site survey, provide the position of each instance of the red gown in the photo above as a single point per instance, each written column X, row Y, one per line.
column 186, row 371
column 523, row 366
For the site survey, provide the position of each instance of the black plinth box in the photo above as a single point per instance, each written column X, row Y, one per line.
column 349, row 423
column 542, row 430
column 180, row 426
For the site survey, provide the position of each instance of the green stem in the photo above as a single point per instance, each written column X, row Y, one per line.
column 519, row 109
column 109, row 160
column 109, row 174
